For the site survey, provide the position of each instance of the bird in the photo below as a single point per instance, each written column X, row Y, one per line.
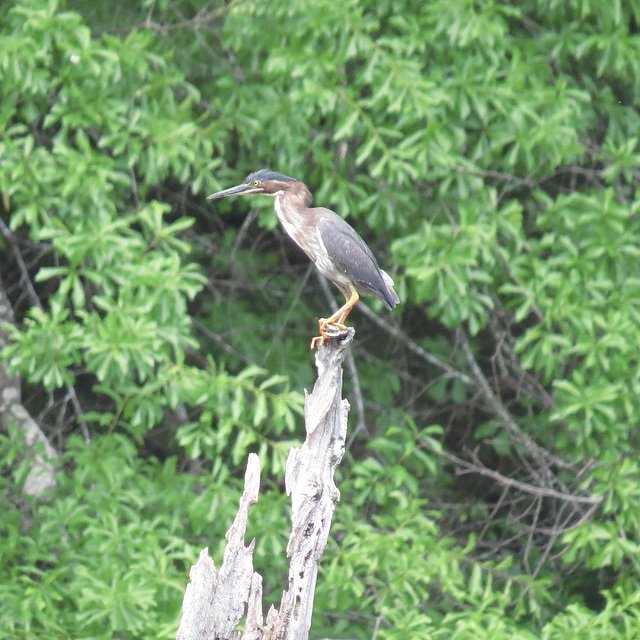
column 335, row 247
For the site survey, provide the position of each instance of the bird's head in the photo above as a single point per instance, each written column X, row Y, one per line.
column 264, row 182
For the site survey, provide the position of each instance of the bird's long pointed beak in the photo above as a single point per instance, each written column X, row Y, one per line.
column 238, row 190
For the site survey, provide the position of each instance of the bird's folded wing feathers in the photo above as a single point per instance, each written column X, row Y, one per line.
column 349, row 252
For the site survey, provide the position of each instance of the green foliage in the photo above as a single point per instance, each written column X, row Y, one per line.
column 100, row 555
column 491, row 148
column 240, row 404
column 409, row 572
column 120, row 285
column 110, row 554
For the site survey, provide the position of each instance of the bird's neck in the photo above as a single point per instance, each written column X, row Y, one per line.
column 291, row 209
column 288, row 207
column 296, row 194
column 292, row 203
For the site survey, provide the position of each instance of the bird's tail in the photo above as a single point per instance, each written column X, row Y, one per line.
column 390, row 296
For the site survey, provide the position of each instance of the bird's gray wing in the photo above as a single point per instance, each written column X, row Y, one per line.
column 350, row 254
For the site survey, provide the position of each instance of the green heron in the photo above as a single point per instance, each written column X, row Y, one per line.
column 333, row 245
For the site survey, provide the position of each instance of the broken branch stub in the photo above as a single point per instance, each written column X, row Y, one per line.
column 215, row 601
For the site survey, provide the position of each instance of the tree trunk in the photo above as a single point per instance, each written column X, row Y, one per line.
column 43, row 455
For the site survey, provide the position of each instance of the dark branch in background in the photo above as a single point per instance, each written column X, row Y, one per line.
column 542, row 457
column 476, row 467
column 25, row 280
column 509, row 364
column 524, row 517
column 280, row 330
column 544, row 507
column 449, row 371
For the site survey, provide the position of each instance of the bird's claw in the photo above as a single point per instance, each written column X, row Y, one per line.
column 323, row 325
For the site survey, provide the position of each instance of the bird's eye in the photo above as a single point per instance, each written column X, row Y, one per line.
column 256, row 183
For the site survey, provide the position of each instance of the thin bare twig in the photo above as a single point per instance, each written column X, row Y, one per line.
column 282, row 325
column 11, row 239
column 449, row 371
column 504, row 480
column 539, row 454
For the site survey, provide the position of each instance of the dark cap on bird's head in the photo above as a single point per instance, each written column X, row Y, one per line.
column 264, row 175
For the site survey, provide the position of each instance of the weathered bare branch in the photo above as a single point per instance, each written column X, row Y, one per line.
column 309, row 483
column 215, row 602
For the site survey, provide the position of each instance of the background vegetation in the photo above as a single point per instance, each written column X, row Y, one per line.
column 489, row 153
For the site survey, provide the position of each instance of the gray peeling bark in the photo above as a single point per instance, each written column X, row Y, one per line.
column 215, row 601
column 43, row 455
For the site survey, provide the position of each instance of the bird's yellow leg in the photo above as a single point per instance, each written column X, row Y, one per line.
column 315, row 340
column 336, row 320
column 340, row 316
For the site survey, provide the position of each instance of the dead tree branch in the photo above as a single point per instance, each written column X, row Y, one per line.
column 542, row 457
column 215, row 601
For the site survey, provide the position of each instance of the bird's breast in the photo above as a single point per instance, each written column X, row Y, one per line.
column 301, row 224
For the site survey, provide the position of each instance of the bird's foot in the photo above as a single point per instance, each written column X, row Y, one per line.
column 328, row 329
